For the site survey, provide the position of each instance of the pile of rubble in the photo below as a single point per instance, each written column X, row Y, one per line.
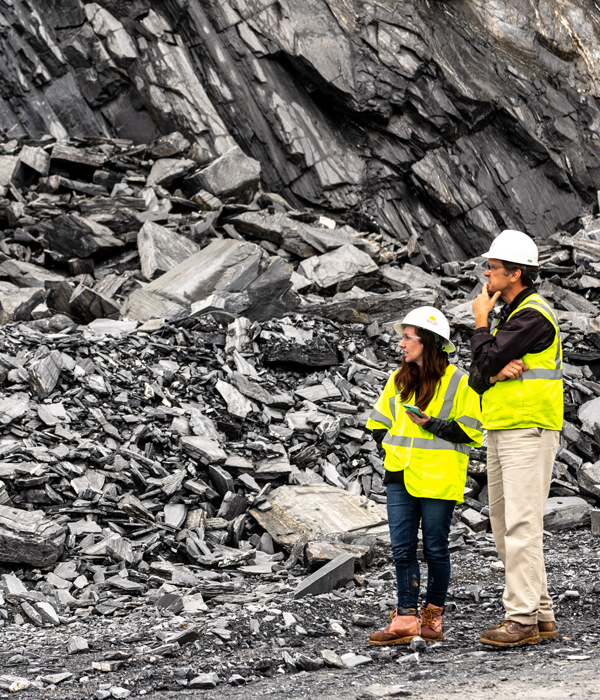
column 187, row 367
column 115, row 230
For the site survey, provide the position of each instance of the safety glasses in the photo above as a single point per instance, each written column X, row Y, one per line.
column 493, row 267
column 406, row 337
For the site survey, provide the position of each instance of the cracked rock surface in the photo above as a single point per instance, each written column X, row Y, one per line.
column 443, row 120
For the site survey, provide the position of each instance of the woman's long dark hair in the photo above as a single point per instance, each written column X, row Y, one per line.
column 411, row 377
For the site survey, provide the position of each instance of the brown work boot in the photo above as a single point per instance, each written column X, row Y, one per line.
column 510, row 634
column 431, row 623
column 548, row 630
column 401, row 630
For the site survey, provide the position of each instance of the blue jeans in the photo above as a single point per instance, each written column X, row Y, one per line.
column 404, row 514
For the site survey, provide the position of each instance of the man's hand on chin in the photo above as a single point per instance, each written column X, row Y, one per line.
column 483, row 305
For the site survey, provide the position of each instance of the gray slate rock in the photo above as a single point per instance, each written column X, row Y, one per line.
column 29, row 537
column 228, row 175
column 166, row 170
column 340, row 265
column 566, row 512
column 161, row 249
column 224, row 265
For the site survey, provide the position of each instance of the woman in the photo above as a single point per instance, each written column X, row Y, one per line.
column 426, row 455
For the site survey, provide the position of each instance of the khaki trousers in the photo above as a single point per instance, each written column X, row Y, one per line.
column 519, row 467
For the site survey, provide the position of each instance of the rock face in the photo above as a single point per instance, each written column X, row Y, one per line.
column 437, row 122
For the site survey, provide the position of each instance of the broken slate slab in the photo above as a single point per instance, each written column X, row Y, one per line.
column 368, row 306
column 171, row 602
column 320, row 392
column 76, row 645
column 337, row 573
column 332, row 659
column 13, row 407
column 44, row 373
column 316, row 510
column 378, row 691
column 53, row 413
column 408, row 277
column 205, row 681
column 340, row 265
column 161, row 249
column 76, row 236
column 47, row 612
column 565, row 513
column 169, row 145
column 8, row 168
column 13, row 683
column 224, row 265
column 319, row 552
column 29, row 537
column 588, row 478
column 230, row 174
column 589, row 415
column 120, row 549
column 351, row 660
column 476, row 521
column 175, row 515
column 203, row 448
column 237, row 404
column 221, row 479
column 166, row 170
column 14, row 587
column 35, row 158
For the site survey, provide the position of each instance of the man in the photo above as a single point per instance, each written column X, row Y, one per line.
column 517, row 368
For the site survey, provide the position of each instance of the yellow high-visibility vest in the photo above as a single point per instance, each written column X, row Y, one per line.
column 535, row 399
column 433, row 467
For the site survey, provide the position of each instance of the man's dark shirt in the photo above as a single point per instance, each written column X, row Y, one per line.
column 528, row 331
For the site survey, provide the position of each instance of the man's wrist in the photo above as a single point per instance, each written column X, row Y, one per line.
column 481, row 320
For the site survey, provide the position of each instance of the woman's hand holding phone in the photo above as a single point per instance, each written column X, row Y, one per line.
column 419, row 419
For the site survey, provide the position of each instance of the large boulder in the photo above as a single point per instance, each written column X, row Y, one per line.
column 226, row 265
column 341, row 265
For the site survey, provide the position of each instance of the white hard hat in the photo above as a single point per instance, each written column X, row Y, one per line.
column 431, row 319
column 514, row 246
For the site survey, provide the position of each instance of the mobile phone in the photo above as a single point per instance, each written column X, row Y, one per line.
column 413, row 409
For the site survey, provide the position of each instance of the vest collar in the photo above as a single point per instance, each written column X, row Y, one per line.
column 507, row 309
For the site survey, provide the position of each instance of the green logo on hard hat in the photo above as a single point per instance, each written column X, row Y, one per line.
column 529, row 260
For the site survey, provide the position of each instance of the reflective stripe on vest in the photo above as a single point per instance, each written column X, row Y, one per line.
column 450, row 394
column 470, row 422
column 380, row 418
column 425, row 443
column 541, row 373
